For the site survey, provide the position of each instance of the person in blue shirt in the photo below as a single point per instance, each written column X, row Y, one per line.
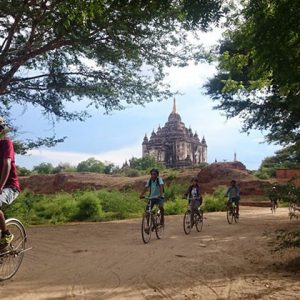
column 233, row 194
column 155, row 186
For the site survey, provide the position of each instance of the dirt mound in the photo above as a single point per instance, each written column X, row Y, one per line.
column 223, row 171
column 47, row 184
column 210, row 178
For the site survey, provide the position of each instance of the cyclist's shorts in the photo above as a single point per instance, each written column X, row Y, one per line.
column 235, row 200
column 8, row 196
column 157, row 201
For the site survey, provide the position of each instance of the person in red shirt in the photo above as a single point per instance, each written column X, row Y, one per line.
column 9, row 183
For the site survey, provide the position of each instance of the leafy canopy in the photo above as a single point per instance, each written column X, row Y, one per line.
column 101, row 53
column 258, row 69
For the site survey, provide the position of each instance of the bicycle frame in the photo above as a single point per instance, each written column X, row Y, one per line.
column 149, row 222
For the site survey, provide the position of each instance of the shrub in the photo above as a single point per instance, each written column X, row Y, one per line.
column 174, row 191
column 132, row 172
column 117, row 205
column 176, row 207
column 216, row 201
column 58, row 208
column 89, row 208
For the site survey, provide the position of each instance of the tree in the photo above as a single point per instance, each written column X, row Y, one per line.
column 258, row 62
column 43, row 168
column 22, row 171
column 144, row 163
column 64, row 167
column 99, row 52
column 91, row 165
column 287, row 157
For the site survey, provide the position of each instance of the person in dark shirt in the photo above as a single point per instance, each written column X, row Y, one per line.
column 193, row 194
column 233, row 194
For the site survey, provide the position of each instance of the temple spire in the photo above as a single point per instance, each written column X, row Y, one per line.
column 174, row 106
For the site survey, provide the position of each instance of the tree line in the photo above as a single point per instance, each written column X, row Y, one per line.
column 133, row 167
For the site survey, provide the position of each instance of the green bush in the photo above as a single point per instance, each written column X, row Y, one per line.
column 216, row 201
column 174, row 191
column 132, row 172
column 89, row 208
column 100, row 205
column 119, row 205
column 59, row 208
column 176, row 207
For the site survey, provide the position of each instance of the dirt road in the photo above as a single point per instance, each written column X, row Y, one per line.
column 109, row 261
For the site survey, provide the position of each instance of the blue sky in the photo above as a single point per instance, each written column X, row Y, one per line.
column 118, row 137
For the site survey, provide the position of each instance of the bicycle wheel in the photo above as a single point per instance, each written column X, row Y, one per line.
column 146, row 227
column 159, row 229
column 273, row 207
column 11, row 257
column 187, row 222
column 235, row 214
column 229, row 214
column 199, row 221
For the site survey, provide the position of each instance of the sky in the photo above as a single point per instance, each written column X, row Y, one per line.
column 118, row 137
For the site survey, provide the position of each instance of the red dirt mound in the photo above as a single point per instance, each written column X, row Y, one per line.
column 210, row 178
column 223, row 171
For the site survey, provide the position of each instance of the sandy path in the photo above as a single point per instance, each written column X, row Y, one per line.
column 109, row 261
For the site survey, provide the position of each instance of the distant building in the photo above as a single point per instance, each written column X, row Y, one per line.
column 174, row 145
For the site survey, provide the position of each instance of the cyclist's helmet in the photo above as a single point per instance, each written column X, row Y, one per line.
column 195, row 178
column 3, row 123
column 154, row 171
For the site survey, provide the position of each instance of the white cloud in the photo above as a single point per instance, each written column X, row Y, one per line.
column 54, row 157
column 191, row 76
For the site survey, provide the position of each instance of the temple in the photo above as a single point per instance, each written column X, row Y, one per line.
column 174, row 145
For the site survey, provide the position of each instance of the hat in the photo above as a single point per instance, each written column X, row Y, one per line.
column 2, row 122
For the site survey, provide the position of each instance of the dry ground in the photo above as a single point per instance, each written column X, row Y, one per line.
column 109, row 261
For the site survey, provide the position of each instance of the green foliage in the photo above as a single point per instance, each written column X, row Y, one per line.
column 216, row 201
column 131, row 172
column 145, row 163
column 258, row 62
column 97, row 205
column 89, row 208
column 43, row 168
column 170, row 175
column 91, row 165
column 288, row 157
column 176, row 207
column 59, row 209
column 118, row 205
column 60, row 39
column 265, row 173
column 64, row 167
column 76, row 206
column 22, row 171
column 173, row 190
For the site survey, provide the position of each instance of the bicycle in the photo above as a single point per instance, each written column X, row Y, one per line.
column 192, row 218
column 231, row 213
column 294, row 210
column 12, row 255
column 273, row 206
column 151, row 221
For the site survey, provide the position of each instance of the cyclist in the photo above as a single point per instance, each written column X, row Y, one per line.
column 9, row 183
column 155, row 185
column 194, row 197
column 273, row 197
column 233, row 194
